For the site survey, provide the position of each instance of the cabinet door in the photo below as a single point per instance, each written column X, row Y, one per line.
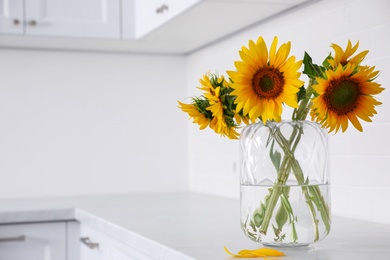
column 95, row 245
column 44, row 241
column 92, row 244
column 73, row 18
column 151, row 14
column 11, row 16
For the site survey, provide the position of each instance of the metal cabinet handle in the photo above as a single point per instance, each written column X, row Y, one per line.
column 13, row 239
column 161, row 9
column 86, row 241
column 32, row 23
column 16, row 21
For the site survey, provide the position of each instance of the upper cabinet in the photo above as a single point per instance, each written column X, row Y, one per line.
column 150, row 15
column 11, row 16
column 64, row 18
column 147, row 26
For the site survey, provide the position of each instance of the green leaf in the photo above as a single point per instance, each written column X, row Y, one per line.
column 258, row 217
column 310, row 69
column 281, row 216
column 275, row 156
column 302, row 93
column 325, row 63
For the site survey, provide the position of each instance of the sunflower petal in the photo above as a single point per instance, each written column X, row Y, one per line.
column 261, row 252
column 355, row 122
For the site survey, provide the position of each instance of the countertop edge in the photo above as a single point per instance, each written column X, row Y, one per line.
column 125, row 236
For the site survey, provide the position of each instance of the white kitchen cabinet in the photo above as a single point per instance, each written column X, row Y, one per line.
column 143, row 26
column 142, row 17
column 95, row 245
column 64, row 18
column 38, row 241
column 11, row 17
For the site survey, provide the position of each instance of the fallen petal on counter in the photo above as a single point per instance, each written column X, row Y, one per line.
column 261, row 252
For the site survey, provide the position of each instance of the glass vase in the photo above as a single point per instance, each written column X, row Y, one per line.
column 285, row 187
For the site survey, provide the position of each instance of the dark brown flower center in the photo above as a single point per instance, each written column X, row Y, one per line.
column 342, row 95
column 268, row 82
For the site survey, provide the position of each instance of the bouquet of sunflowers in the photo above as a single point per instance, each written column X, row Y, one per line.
column 339, row 91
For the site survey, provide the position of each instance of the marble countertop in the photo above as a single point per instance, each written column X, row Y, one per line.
column 190, row 225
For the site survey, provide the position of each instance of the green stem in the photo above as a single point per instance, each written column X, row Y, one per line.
column 301, row 181
column 321, row 205
column 283, row 174
column 287, row 205
column 275, row 194
column 290, row 163
column 302, row 111
column 317, row 197
column 311, row 193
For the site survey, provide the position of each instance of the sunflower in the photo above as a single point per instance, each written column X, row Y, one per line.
column 224, row 130
column 212, row 94
column 346, row 94
column 211, row 109
column 264, row 81
column 193, row 112
column 344, row 56
column 215, row 89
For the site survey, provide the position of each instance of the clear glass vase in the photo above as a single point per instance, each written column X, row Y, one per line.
column 285, row 187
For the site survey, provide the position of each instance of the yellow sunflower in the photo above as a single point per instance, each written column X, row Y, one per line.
column 344, row 56
column 193, row 112
column 213, row 96
column 241, row 119
column 223, row 129
column 264, row 81
column 209, row 109
column 346, row 95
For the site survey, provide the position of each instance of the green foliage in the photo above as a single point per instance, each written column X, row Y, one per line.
column 275, row 156
column 326, row 63
column 229, row 106
column 281, row 216
column 310, row 69
column 201, row 103
column 302, row 93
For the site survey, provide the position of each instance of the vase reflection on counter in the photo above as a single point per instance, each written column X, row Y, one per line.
column 285, row 193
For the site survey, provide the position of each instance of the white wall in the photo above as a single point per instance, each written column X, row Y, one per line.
column 85, row 123
column 359, row 161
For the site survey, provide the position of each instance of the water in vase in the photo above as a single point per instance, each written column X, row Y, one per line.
column 295, row 220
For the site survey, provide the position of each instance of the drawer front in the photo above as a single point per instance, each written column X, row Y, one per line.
column 41, row 241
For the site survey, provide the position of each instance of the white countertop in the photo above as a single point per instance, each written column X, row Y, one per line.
column 190, row 226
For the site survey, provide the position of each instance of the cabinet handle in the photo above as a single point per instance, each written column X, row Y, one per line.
column 32, row 23
column 161, row 9
column 13, row 239
column 16, row 21
column 86, row 241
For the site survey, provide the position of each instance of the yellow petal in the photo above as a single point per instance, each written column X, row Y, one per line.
column 251, row 252
column 269, row 252
column 261, row 252
column 355, row 122
column 272, row 52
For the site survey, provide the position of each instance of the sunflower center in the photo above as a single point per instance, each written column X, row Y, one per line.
column 342, row 95
column 268, row 82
